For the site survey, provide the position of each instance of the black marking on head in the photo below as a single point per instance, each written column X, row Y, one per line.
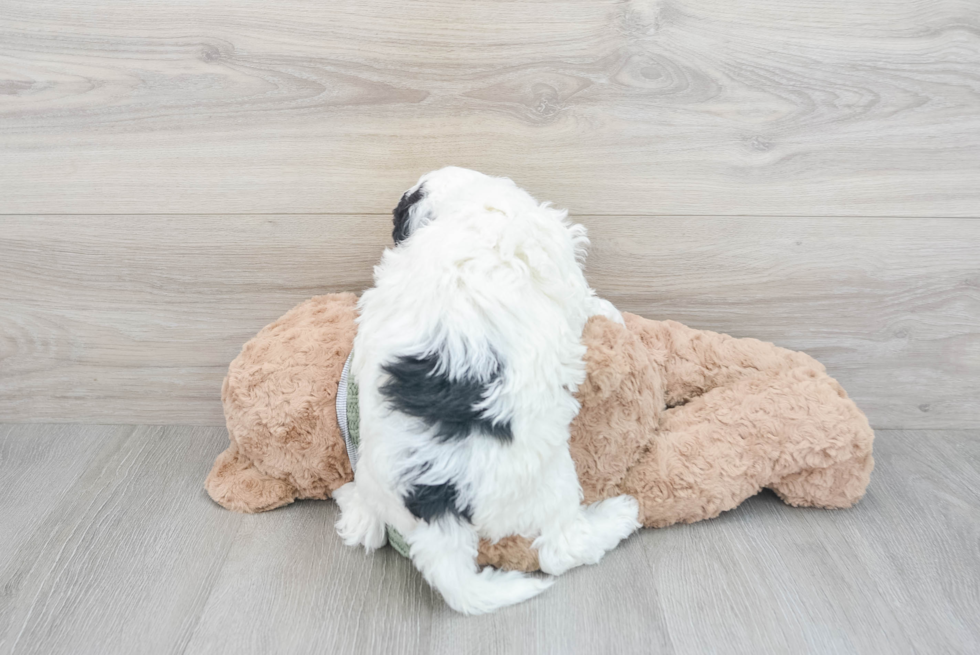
column 419, row 389
column 432, row 501
column 400, row 214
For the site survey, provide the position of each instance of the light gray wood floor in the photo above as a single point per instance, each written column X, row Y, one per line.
column 109, row 544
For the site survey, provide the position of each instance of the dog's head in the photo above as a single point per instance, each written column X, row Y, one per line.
column 452, row 190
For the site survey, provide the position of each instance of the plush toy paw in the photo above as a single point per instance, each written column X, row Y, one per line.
column 597, row 529
column 358, row 525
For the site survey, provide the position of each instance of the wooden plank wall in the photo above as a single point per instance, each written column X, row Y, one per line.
column 135, row 318
column 176, row 174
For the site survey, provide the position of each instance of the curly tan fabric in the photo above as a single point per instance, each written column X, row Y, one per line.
column 279, row 408
column 690, row 422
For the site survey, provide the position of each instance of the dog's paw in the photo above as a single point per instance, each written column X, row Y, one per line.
column 614, row 519
column 597, row 529
column 603, row 307
column 357, row 524
column 556, row 561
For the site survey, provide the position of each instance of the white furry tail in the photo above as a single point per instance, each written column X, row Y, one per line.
column 445, row 552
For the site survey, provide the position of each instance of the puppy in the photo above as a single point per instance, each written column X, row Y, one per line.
column 467, row 354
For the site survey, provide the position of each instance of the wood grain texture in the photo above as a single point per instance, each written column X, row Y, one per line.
column 39, row 466
column 291, row 586
column 608, row 107
column 126, row 560
column 135, row 319
column 100, row 307
column 891, row 307
column 137, row 559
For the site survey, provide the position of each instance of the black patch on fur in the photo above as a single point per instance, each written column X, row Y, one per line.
column 400, row 214
column 431, row 501
column 416, row 389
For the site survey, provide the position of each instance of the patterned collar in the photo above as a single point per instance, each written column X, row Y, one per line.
column 349, row 420
column 347, row 412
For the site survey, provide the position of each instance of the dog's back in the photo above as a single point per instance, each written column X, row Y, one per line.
column 467, row 355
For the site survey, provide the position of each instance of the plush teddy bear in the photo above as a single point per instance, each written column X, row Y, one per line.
column 689, row 422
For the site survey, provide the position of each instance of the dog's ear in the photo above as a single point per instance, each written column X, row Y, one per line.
column 400, row 214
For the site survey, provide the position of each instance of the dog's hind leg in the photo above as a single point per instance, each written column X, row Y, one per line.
column 445, row 551
column 358, row 523
column 585, row 538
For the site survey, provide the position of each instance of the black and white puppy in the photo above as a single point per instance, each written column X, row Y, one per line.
column 467, row 354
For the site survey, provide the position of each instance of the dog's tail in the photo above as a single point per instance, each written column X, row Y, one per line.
column 445, row 551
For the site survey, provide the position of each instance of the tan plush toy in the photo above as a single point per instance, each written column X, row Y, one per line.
column 689, row 422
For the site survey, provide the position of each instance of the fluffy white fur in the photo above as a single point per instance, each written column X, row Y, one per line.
column 491, row 282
